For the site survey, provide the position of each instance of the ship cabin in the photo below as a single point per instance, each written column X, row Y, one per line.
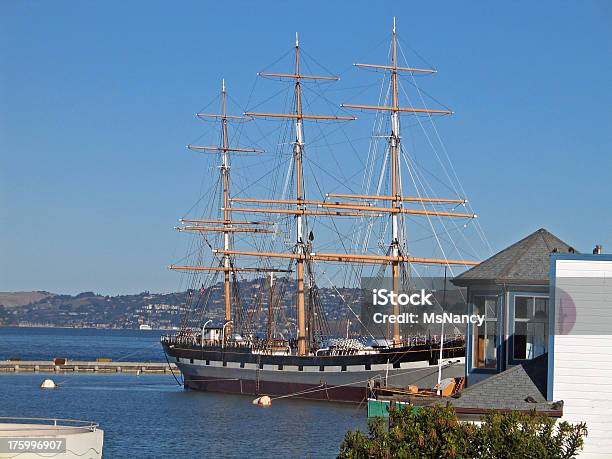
column 212, row 334
column 511, row 291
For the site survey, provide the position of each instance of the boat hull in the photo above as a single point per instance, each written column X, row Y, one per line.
column 330, row 384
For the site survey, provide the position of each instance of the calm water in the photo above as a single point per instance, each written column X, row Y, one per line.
column 80, row 344
column 151, row 416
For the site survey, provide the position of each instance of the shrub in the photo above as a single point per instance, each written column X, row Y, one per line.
column 435, row 432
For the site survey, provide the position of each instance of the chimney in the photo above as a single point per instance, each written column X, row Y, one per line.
column 597, row 250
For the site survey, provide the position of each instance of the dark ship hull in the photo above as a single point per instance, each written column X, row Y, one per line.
column 328, row 376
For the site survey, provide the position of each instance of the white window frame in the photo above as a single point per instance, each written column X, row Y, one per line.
column 530, row 316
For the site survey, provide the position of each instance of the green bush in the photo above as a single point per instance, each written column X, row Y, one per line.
column 435, row 432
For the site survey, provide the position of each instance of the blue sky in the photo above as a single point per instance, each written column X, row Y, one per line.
column 96, row 104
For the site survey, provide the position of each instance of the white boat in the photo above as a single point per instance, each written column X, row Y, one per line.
column 29, row 438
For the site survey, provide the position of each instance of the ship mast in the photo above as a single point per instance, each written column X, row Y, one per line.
column 226, row 216
column 394, row 143
column 298, row 148
column 228, row 227
column 270, row 325
column 394, row 140
column 299, row 245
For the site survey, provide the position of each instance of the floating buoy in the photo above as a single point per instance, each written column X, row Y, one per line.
column 48, row 384
column 264, row 400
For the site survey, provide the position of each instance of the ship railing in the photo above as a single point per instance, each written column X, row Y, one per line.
column 184, row 339
column 41, row 423
column 218, row 343
column 196, row 340
column 189, row 339
column 431, row 339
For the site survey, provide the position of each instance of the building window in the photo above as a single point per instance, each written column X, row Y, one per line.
column 530, row 336
column 484, row 352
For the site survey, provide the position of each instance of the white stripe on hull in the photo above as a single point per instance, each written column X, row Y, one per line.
column 410, row 373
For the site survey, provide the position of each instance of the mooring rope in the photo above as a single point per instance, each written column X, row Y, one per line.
column 325, row 387
column 171, row 370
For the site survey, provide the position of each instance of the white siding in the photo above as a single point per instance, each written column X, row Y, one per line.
column 583, row 364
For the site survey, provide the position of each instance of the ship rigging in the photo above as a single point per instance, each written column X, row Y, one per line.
column 274, row 364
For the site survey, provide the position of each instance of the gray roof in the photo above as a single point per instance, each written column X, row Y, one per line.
column 519, row 388
column 526, row 261
column 510, row 389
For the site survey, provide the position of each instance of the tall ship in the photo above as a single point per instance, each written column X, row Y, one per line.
column 279, row 342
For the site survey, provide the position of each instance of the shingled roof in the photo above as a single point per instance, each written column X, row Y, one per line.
column 525, row 262
column 521, row 388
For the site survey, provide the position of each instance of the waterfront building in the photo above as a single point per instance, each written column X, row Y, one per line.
column 511, row 289
column 545, row 344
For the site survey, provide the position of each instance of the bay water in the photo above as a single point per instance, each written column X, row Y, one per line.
column 152, row 416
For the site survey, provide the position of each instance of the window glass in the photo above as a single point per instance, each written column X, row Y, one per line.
column 541, row 306
column 521, row 306
column 491, row 307
column 479, row 307
column 530, row 337
column 484, row 342
column 490, row 358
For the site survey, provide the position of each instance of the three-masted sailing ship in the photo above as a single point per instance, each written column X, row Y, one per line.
column 231, row 357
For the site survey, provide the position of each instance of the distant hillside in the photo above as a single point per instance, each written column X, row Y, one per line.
column 167, row 310
column 159, row 310
column 14, row 299
column 89, row 309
